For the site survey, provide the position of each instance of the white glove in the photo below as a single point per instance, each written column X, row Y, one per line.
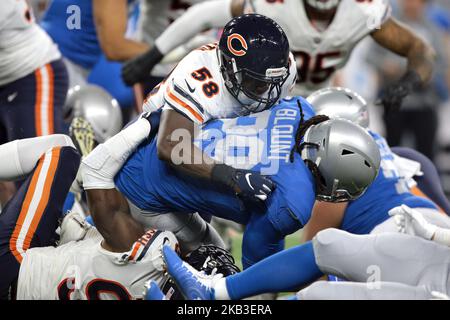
column 412, row 222
column 73, row 228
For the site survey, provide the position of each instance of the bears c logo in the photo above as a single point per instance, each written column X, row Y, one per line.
column 238, row 37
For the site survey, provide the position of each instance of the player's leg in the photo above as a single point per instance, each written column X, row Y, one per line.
column 36, row 103
column 284, row 271
column 385, row 257
column 262, row 238
column 429, row 183
column 31, row 217
column 190, row 229
column 323, row 290
column 389, row 257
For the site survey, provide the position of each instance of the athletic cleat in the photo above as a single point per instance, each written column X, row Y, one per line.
column 154, row 292
column 83, row 135
column 193, row 284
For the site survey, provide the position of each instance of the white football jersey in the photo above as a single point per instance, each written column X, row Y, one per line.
column 24, row 46
column 84, row 270
column 320, row 53
column 197, row 89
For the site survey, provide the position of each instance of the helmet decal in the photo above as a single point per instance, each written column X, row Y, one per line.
column 239, row 52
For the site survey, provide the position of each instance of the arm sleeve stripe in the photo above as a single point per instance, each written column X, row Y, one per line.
column 185, row 95
column 179, row 103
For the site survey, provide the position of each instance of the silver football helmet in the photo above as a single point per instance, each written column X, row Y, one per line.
column 98, row 107
column 346, row 157
column 323, row 4
column 340, row 103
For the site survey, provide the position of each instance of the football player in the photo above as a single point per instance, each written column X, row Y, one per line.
column 33, row 80
column 92, row 37
column 382, row 266
column 269, row 142
column 394, row 186
column 248, row 71
column 322, row 35
column 85, row 265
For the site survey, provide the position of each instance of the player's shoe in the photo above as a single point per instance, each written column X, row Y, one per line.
column 193, row 284
column 83, row 135
column 154, row 292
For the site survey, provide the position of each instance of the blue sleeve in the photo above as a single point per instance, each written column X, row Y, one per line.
column 260, row 240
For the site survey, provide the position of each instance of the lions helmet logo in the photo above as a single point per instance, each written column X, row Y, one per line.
column 238, row 37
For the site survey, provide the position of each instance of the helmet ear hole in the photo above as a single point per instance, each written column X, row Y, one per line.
column 367, row 164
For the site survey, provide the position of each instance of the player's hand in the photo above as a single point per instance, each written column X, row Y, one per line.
column 247, row 184
column 412, row 222
column 138, row 69
column 393, row 97
column 250, row 184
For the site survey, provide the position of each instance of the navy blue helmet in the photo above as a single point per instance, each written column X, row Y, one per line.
column 254, row 60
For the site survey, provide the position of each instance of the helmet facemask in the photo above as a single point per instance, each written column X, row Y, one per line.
column 323, row 5
column 255, row 92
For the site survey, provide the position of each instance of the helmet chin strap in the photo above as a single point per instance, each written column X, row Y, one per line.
column 320, row 5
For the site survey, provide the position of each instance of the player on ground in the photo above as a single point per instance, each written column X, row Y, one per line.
column 321, row 33
column 394, row 186
column 85, row 265
column 269, row 142
column 417, row 272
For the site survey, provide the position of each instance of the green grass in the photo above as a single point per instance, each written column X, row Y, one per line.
column 236, row 248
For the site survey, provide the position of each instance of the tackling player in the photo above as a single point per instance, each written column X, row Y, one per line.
column 393, row 187
column 84, row 265
column 322, row 35
column 248, row 71
column 269, row 142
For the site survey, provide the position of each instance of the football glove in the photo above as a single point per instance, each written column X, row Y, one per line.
column 392, row 98
column 138, row 69
column 412, row 222
column 247, row 184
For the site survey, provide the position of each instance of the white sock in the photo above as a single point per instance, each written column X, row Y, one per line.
column 220, row 290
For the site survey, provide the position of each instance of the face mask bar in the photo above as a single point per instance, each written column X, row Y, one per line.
column 254, row 92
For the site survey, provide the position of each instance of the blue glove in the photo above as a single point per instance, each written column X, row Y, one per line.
column 247, row 184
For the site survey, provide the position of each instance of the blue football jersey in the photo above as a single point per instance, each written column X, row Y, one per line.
column 71, row 26
column 261, row 142
column 389, row 190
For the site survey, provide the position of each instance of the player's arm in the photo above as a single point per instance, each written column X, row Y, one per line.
column 176, row 147
column 198, row 18
column 111, row 18
column 108, row 208
column 325, row 215
column 113, row 220
column 399, row 39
